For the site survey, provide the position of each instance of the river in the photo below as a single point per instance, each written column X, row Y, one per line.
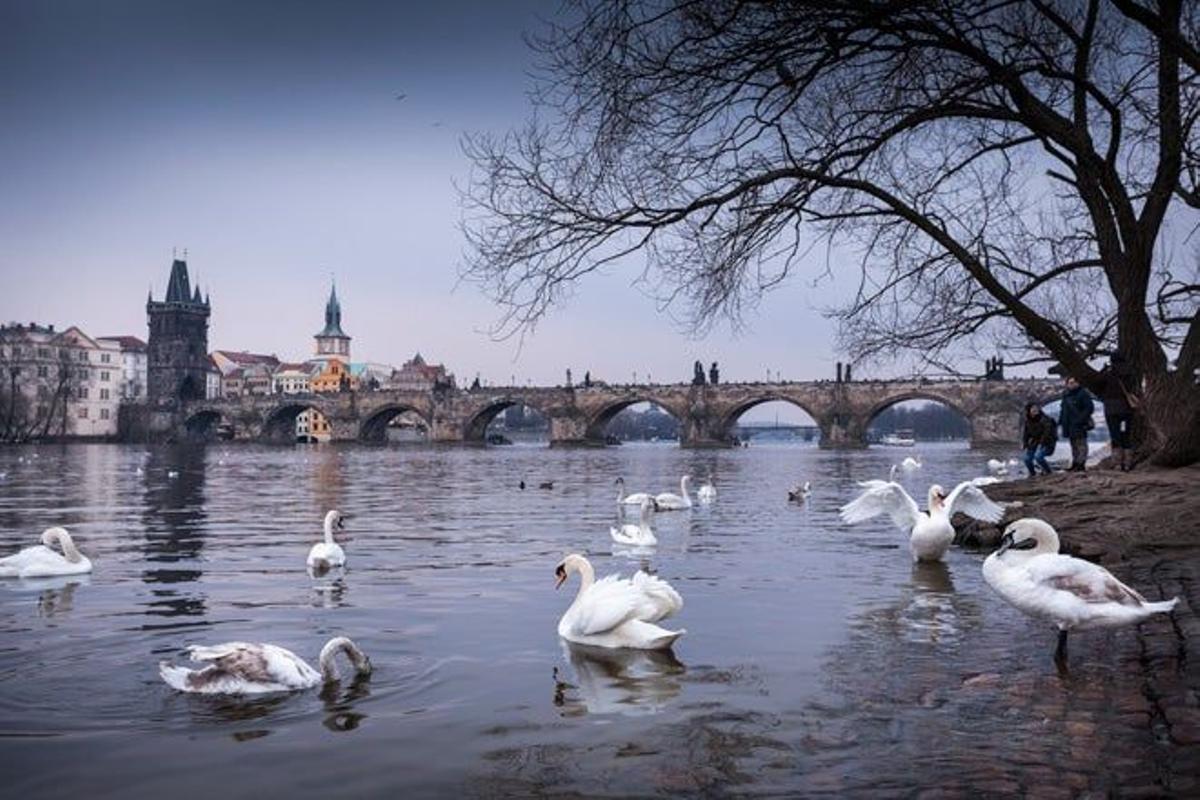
column 817, row 658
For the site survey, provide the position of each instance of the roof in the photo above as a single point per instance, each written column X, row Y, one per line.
column 333, row 317
column 126, row 342
column 244, row 358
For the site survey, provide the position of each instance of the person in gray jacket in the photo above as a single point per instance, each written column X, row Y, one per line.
column 1075, row 419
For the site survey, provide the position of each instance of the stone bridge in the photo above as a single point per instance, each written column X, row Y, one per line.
column 579, row 416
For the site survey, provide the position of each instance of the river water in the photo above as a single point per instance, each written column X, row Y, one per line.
column 817, row 658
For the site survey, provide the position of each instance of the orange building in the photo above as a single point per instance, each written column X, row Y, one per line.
column 335, row 376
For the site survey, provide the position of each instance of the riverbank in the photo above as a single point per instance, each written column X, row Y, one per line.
column 1145, row 527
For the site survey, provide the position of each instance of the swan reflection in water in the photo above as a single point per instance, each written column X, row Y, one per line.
column 931, row 613
column 629, row 682
column 340, row 714
column 331, row 594
column 56, row 593
column 338, row 701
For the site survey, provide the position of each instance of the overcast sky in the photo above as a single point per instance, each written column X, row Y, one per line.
column 267, row 139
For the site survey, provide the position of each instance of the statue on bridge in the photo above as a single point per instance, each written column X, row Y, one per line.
column 713, row 374
column 697, row 373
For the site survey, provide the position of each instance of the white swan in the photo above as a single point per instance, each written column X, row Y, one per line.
column 707, row 493
column 41, row 561
column 639, row 535
column 669, row 501
column 252, row 668
column 634, row 499
column 616, row 612
column 892, row 473
column 909, row 464
column 997, row 467
column 930, row 534
column 1028, row 571
column 328, row 553
column 798, row 493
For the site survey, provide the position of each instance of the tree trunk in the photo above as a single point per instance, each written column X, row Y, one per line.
column 1167, row 426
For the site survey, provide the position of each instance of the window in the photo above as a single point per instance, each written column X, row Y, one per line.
column 104, row 413
column 82, row 393
column 43, row 371
column 81, row 356
column 103, row 374
column 83, row 413
column 43, row 352
column 104, row 359
column 104, row 394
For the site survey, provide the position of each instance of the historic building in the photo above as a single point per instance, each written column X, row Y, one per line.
column 292, row 379
column 58, row 383
column 133, row 366
column 177, row 354
column 332, row 343
column 335, row 376
column 245, row 373
column 417, row 375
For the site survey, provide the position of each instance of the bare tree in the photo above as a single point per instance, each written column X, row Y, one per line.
column 34, row 391
column 1019, row 171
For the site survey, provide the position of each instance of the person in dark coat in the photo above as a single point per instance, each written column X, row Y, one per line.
column 1038, row 437
column 1116, row 392
column 1075, row 418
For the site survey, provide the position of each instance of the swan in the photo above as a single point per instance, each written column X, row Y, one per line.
column 639, row 535
column 997, row 467
column 892, row 473
column 910, row 463
column 172, row 473
column 329, row 553
column 615, row 612
column 42, row 561
column 798, row 493
column 634, row 499
column 668, row 501
column 253, row 668
column 930, row 534
column 707, row 493
column 1028, row 571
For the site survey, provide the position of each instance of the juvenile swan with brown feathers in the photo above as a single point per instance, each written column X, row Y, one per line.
column 253, row 668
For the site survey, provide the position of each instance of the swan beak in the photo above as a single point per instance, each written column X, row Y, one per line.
column 1006, row 541
column 342, row 521
column 560, row 575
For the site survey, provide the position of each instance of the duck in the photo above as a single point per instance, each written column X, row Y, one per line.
column 909, row 464
column 634, row 499
column 42, row 561
column 930, row 533
column 240, row 668
column 328, row 553
column 617, row 612
column 1030, row 574
column 639, row 535
column 669, row 501
column 799, row 493
column 548, row 485
column 172, row 474
column 707, row 493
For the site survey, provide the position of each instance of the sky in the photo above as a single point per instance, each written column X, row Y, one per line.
column 267, row 139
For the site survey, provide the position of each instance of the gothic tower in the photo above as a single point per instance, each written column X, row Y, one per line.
column 332, row 343
column 177, row 361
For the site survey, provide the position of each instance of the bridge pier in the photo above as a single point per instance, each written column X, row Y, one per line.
column 995, row 428
column 842, row 431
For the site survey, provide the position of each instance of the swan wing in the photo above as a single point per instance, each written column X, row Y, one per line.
column 883, row 497
column 1089, row 582
column 658, row 599
column 609, row 603
column 260, row 664
column 967, row 498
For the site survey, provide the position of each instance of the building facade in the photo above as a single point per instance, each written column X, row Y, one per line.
column 292, row 379
column 133, row 367
column 57, row 383
column 416, row 375
column 177, row 352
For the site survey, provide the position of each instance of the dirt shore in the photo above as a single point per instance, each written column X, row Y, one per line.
column 1104, row 515
column 1145, row 527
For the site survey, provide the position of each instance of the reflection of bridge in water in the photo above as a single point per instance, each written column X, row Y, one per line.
column 745, row 431
column 708, row 414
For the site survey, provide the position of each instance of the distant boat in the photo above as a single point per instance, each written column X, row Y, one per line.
column 901, row 438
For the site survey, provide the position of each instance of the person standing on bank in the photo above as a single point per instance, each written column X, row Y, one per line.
column 1038, row 437
column 1119, row 400
column 1076, row 420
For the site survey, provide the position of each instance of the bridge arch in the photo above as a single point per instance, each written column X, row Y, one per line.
column 279, row 421
column 729, row 420
column 954, row 404
column 476, row 425
column 374, row 426
column 596, row 429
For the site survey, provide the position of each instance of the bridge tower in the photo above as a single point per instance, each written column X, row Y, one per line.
column 177, row 357
column 332, row 342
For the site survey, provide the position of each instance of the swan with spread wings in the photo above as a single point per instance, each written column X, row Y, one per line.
column 930, row 533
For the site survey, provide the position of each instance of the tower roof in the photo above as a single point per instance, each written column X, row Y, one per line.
column 333, row 317
column 178, row 289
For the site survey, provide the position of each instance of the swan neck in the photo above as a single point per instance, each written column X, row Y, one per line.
column 587, row 577
column 328, row 658
column 683, row 488
column 329, row 530
column 70, row 552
